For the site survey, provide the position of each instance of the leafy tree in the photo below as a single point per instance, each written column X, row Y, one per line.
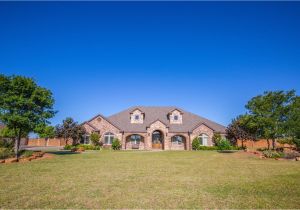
column 293, row 122
column 24, row 106
column 95, row 137
column 70, row 129
column 45, row 131
column 195, row 143
column 268, row 113
column 240, row 129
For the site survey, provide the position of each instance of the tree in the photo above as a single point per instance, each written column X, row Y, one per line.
column 24, row 106
column 240, row 129
column 45, row 131
column 216, row 138
column 268, row 113
column 95, row 137
column 293, row 122
column 70, row 129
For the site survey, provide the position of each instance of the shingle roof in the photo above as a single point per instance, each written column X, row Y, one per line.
column 153, row 113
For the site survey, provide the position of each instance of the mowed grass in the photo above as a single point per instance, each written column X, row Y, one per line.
column 124, row 179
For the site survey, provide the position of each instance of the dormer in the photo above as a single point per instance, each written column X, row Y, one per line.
column 137, row 116
column 175, row 116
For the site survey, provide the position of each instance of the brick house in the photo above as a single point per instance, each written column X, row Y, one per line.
column 147, row 128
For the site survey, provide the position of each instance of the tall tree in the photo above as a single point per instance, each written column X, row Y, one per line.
column 24, row 105
column 293, row 122
column 240, row 129
column 46, row 132
column 70, row 129
column 268, row 112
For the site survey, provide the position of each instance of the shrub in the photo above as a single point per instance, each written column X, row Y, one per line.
column 291, row 155
column 6, row 153
column 6, row 143
column 26, row 153
column 224, row 144
column 207, row 148
column 195, row 144
column 88, row 147
column 116, row 144
column 262, row 149
column 95, row 139
column 68, row 147
column 272, row 154
column 217, row 138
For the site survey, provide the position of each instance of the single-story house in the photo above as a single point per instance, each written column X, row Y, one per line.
column 152, row 127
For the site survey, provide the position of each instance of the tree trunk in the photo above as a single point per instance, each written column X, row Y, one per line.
column 273, row 144
column 17, row 144
column 268, row 143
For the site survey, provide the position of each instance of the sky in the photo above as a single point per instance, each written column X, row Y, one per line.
column 208, row 58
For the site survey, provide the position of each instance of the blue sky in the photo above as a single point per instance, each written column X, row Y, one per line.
column 209, row 58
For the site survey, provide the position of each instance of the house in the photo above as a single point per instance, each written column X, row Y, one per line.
column 151, row 127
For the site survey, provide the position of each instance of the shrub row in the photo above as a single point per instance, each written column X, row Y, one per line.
column 6, row 153
column 84, row 146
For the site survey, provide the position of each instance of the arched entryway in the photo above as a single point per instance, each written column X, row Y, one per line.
column 135, row 141
column 157, row 140
column 178, row 142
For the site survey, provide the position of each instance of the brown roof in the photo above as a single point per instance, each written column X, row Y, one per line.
column 153, row 113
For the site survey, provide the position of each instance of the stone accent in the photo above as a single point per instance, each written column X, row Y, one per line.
column 172, row 117
column 202, row 129
column 158, row 125
column 140, row 115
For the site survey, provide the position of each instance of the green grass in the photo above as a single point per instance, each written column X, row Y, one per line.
column 124, row 179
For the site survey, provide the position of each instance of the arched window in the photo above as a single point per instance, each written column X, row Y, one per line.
column 203, row 139
column 108, row 138
column 177, row 140
column 135, row 139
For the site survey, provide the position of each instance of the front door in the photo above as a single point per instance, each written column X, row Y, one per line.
column 157, row 140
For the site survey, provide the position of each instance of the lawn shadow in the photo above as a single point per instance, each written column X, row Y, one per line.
column 64, row 152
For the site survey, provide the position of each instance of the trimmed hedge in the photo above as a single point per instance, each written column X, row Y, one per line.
column 84, row 146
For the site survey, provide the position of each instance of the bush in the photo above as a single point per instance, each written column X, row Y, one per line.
column 6, row 143
column 207, row 148
column 116, row 144
column 26, row 153
column 291, row 155
column 95, row 139
column 6, row 153
column 69, row 147
column 217, row 138
column 88, row 147
column 272, row 154
column 195, row 144
column 224, row 144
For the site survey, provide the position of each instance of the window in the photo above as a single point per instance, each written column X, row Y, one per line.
column 176, row 117
column 108, row 138
column 177, row 140
column 203, row 138
column 85, row 139
column 136, row 117
column 135, row 139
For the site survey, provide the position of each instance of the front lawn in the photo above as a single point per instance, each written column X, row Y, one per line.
column 124, row 179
